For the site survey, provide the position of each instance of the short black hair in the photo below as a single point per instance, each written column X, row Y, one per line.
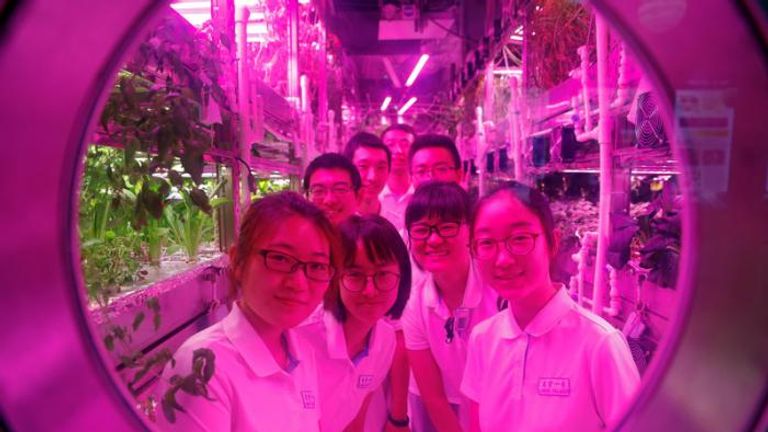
column 530, row 197
column 400, row 127
column 332, row 161
column 435, row 141
column 366, row 139
column 381, row 242
column 444, row 200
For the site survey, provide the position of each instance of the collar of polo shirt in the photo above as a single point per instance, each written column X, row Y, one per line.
column 472, row 295
column 249, row 344
column 337, row 343
column 544, row 321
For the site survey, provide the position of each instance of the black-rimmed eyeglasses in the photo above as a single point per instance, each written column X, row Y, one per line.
column 516, row 244
column 383, row 281
column 421, row 231
column 284, row 263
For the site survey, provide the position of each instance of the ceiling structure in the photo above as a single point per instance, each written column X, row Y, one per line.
column 385, row 42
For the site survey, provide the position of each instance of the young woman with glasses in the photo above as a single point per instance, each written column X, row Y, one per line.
column 264, row 375
column 544, row 363
column 444, row 306
column 354, row 345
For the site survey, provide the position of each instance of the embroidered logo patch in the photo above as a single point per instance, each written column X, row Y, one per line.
column 554, row 387
column 308, row 399
column 364, row 381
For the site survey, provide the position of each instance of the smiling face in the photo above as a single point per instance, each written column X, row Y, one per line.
column 433, row 163
column 332, row 191
column 514, row 277
column 374, row 171
column 436, row 253
column 370, row 304
column 283, row 300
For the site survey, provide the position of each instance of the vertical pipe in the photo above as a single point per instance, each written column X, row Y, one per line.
column 622, row 92
column 293, row 52
column 244, row 107
column 304, row 85
column 322, row 75
column 584, row 55
column 480, row 155
column 332, row 132
column 515, row 126
column 606, row 166
column 488, row 103
column 614, row 303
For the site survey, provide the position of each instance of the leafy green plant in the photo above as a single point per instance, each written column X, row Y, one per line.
column 154, row 235
column 558, row 28
column 161, row 107
column 109, row 263
column 190, row 220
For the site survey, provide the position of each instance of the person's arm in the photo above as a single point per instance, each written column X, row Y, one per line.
column 614, row 376
column 430, row 382
column 398, row 383
column 358, row 423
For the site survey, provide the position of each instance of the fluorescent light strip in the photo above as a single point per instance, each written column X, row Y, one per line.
column 519, row 30
column 516, row 38
column 385, row 104
column 191, row 5
column 196, row 19
column 518, row 72
column 417, row 70
column 407, row 105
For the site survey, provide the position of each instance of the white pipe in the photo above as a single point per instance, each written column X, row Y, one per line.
column 622, row 93
column 584, row 55
column 581, row 258
column 614, row 305
column 244, row 105
column 587, row 136
column 481, row 149
column 514, row 126
column 293, row 53
column 488, row 102
column 606, row 164
column 332, row 130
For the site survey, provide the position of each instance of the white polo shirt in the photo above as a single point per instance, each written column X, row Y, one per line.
column 393, row 207
column 343, row 382
column 424, row 322
column 250, row 391
column 569, row 370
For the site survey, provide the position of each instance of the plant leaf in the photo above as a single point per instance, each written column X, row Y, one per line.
column 200, row 199
column 175, row 178
column 137, row 320
column 192, row 161
column 109, row 341
column 156, row 321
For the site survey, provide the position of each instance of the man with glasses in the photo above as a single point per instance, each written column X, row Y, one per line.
column 434, row 157
column 332, row 183
column 395, row 196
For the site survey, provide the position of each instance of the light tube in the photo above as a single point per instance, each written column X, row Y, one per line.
column 407, row 105
column 385, row 104
column 417, row 69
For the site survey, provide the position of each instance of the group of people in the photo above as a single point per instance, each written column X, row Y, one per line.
column 384, row 299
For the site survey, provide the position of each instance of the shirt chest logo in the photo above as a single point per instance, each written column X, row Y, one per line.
column 554, row 387
column 364, row 381
column 308, row 399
